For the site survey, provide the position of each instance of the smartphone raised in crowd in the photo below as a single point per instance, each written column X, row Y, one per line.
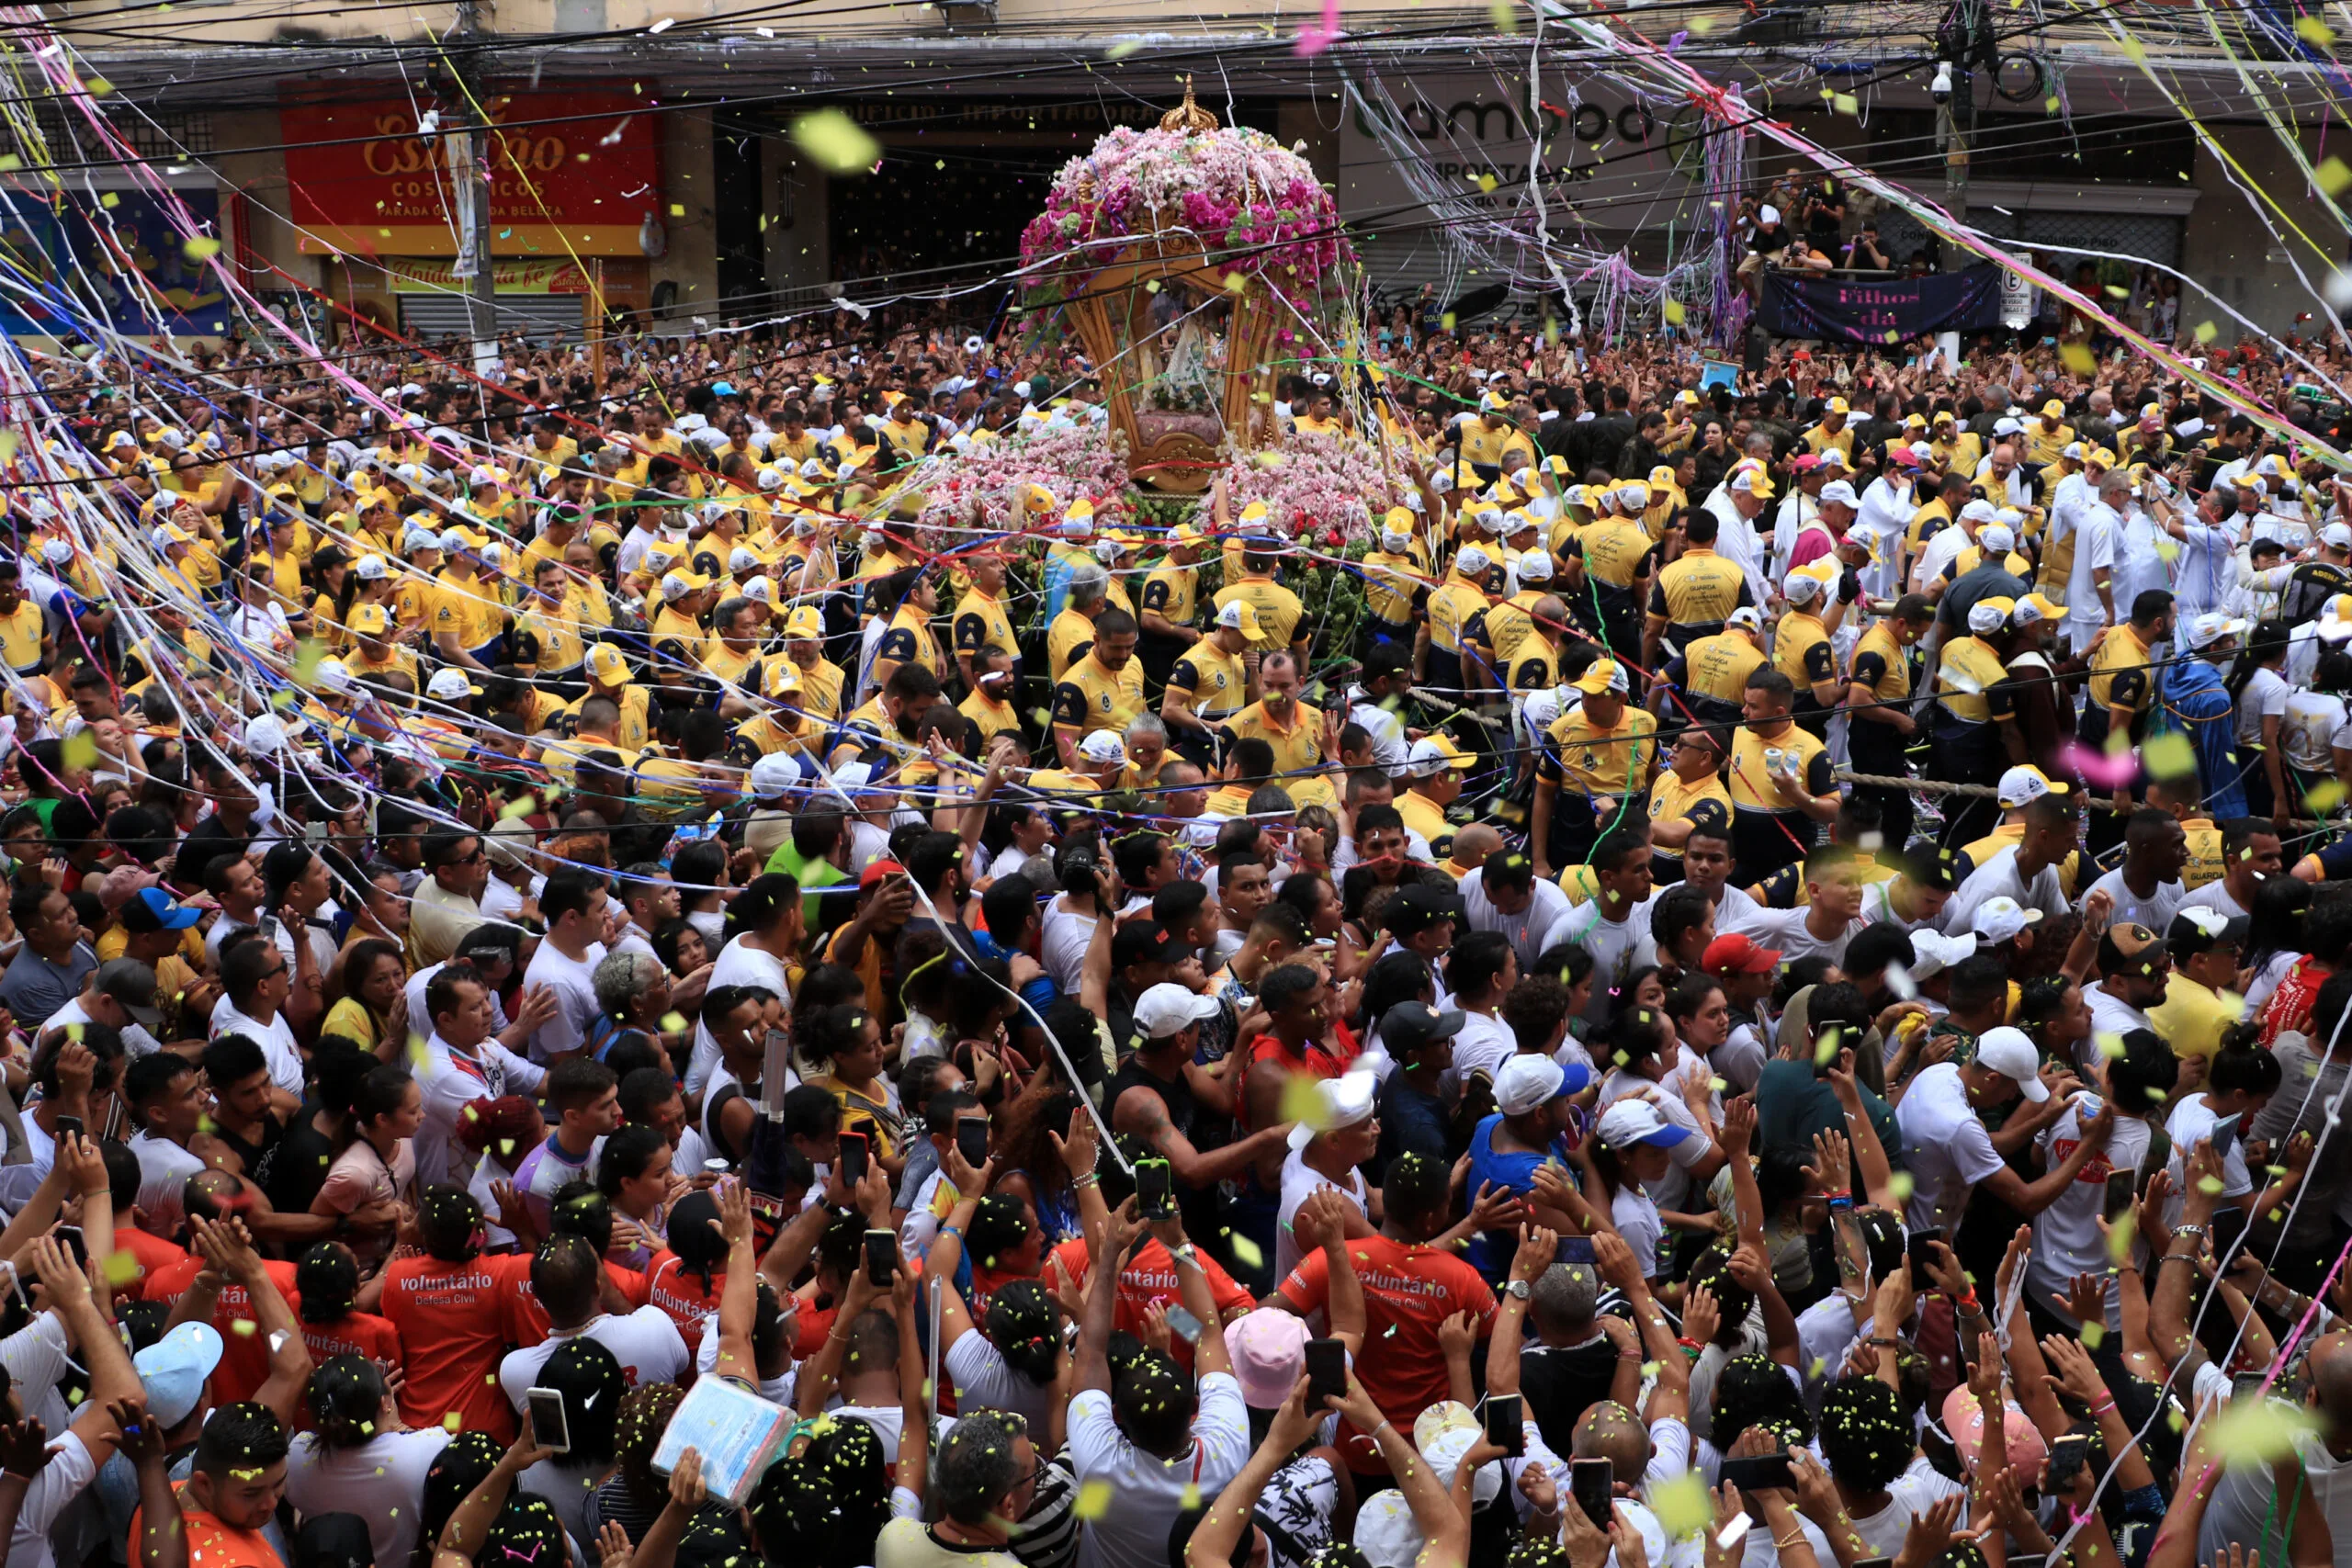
column 1327, row 1371
column 1591, row 1482
column 1763, row 1472
column 881, row 1258
column 853, row 1153
column 972, row 1140
column 2121, row 1188
column 1921, row 1245
column 1506, row 1427
column 1155, row 1188
column 549, row 1427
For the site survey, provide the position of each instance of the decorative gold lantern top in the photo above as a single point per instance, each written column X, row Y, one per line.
column 1188, row 117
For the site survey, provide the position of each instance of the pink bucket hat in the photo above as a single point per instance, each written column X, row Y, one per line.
column 1268, row 1351
column 1965, row 1419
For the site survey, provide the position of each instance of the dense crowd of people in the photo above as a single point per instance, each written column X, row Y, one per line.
column 1727, row 973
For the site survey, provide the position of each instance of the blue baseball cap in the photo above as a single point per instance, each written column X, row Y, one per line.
column 162, row 909
column 174, row 1369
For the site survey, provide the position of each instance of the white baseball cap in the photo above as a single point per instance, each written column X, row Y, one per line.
column 2025, row 783
column 1472, row 559
column 1998, row 539
column 2207, row 630
column 776, row 773
column 2010, row 1054
column 1840, row 492
column 451, row 685
column 1103, row 747
column 1535, row 566
column 1630, row 1122
column 1999, row 919
column 1347, row 1100
column 1168, row 1009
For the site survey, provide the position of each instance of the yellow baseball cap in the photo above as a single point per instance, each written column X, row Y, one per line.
column 2042, row 608
column 2054, row 409
column 1602, row 676
column 806, row 622
column 1240, row 616
column 1839, row 405
column 369, row 620
column 784, row 679
column 607, row 666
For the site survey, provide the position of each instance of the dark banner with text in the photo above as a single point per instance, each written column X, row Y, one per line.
column 1882, row 312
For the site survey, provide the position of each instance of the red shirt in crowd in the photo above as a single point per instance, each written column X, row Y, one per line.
column 360, row 1333
column 454, row 1320
column 1408, row 1290
column 1149, row 1276
column 244, row 1352
column 678, row 1291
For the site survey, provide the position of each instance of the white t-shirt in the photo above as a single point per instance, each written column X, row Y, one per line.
column 68, row 1474
column 574, row 982
column 1912, row 1493
column 1613, row 944
column 646, row 1343
column 164, row 1169
column 1785, row 930
column 1151, row 1492
column 983, row 1382
column 1482, row 1046
column 382, row 1480
column 2192, row 1122
column 2316, row 723
column 2095, row 530
column 1998, row 877
column 1636, row 1220
column 738, row 964
column 2154, row 912
column 1948, row 1146
column 2110, row 1014
column 2265, row 696
column 1531, row 929
column 1300, row 1182
column 2214, row 895
column 1062, row 944
column 2066, row 1241
column 276, row 1039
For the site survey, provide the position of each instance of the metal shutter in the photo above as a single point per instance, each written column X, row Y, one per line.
column 547, row 318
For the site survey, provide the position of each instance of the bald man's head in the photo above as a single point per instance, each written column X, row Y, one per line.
column 1611, row 1431
column 2331, row 1374
column 1473, row 841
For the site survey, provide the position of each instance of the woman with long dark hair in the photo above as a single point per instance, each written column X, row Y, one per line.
column 332, row 586
column 373, row 1000
column 377, row 1164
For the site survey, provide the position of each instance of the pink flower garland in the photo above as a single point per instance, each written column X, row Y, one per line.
column 1317, row 488
column 1254, row 204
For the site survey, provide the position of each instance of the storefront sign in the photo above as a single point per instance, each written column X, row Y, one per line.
column 570, row 173
column 1880, row 313
column 422, row 274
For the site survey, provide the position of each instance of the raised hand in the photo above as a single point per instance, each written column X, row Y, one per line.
column 24, row 1445
column 1457, row 1335
column 613, row 1549
column 2074, row 1374
column 1702, row 1317
column 685, row 1482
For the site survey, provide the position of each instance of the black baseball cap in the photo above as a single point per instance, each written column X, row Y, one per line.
column 1144, row 942
column 1408, row 1026
column 1418, row 908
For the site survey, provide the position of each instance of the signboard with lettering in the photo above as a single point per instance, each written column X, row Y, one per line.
column 1880, row 313
column 570, row 173
column 1609, row 161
